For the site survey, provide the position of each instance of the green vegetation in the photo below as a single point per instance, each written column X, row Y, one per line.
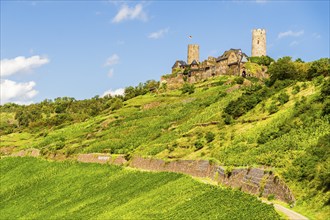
column 67, row 190
column 281, row 122
column 263, row 60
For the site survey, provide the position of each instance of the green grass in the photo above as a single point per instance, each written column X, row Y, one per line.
column 171, row 125
column 38, row 189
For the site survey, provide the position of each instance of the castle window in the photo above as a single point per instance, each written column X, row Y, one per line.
column 258, row 42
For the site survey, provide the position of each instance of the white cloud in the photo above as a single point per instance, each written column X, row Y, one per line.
column 114, row 92
column 113, row 60
column 294, row 43
column 158, row 34
column 20, row 93
column 290, row 34
column 21, row 64
column 110, row 73
column 127, row 13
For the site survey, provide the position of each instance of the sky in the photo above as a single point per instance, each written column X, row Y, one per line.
column 81, row 49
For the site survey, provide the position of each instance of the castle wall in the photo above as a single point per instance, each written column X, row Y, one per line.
column 193, row 53
column 232, row 58
column 258, row 42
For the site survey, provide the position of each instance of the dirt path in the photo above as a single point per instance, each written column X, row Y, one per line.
column 292, row 215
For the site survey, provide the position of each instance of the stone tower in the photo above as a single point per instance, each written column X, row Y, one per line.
column 193, row 53
column 258, row 43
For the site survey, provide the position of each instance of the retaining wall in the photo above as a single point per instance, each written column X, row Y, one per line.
column 252, row 180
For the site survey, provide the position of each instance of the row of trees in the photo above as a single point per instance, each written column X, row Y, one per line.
column 284, row 68
column 64, row 110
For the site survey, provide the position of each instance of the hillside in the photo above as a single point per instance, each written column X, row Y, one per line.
column 57, row 190
column 228, row 120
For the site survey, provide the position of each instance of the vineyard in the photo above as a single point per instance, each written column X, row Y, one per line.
column 283, row 126
column 68, row 190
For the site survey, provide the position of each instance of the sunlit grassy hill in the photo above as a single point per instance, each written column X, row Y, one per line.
column 284, row 127
column 37, row 189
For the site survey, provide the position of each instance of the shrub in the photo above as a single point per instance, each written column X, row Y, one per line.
column 198, row 145
column 188, row 88
column 227, row 119
column 239, row 80
column 295, row 89
column 283, row 69
column 325, row 90
column 117, row 104
column 209, row 137
column 283, row 98
column 263, row 60
column 273, row 108
column 318, row 68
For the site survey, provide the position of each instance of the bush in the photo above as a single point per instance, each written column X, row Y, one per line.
column 263, row 60
column 117, row 104
column 273, row 108
column 283, row 98
column 188, row 88
column 198, row 145
column 209, row 137
column 227, row 119
column 295, row 89
column 318, row 68
column 283, row 69
column 239, row 80
column 325, row 90
column 271, row 197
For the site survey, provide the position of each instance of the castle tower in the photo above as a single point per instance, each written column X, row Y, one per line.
column 258, row 43
column 193, row 53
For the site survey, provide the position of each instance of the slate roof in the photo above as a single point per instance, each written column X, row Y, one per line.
column 181, row 63
column 194, row 62
column 226, row 54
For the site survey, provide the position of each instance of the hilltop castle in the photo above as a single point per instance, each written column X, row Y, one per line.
column 231, row 62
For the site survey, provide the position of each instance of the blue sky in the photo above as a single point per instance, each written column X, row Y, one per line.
column 81, row 49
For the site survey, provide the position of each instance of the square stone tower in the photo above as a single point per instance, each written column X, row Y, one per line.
column 193, row 53
column 258, row 43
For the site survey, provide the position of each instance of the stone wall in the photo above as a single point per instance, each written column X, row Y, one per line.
column 251, row 180
column 27, row 153
column 254, row 180
column 102, row 158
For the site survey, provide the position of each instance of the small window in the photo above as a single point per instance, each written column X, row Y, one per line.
column 258, row 42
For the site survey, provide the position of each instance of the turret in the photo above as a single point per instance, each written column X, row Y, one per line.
column 193, row 53
column 258, row 42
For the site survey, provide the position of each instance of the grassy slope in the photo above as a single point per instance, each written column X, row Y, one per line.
column 168, row 126
column 38, row 189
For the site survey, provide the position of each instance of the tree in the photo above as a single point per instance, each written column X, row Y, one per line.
column 263, row 60
column 117, row 104
column 299, row 60
column 283, row 69
column 129, row 92
column 319, row 67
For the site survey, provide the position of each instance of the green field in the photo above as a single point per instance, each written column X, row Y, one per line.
column 39, row 189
